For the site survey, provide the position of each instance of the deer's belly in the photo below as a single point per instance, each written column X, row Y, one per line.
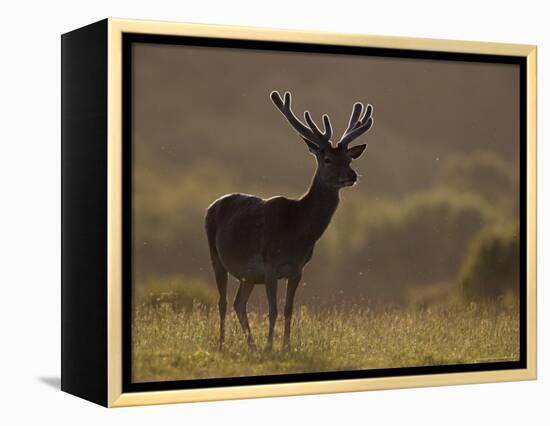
column 250, row 270
column 253, row 269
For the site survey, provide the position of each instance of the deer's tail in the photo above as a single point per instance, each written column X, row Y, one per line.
column 211, row 223
column 210, row 228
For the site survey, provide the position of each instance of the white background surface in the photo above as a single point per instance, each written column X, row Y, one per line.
column 30, row 211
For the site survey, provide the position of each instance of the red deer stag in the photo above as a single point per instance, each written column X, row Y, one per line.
column 261, row 241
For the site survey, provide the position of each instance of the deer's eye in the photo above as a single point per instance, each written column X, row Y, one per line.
column 328, row 161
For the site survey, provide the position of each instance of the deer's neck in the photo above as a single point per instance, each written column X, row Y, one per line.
column 318, row 205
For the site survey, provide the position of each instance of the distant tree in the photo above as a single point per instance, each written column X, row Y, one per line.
column 484, row 174
column 491, row 265
column 396, row 246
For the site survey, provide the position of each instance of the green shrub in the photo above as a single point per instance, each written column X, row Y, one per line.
column 385, row 249
column 484, row 174
column 491, row 265
column 421, row 246
column 176, row 292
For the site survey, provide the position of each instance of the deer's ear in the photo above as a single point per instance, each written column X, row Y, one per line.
column 356, row 151
column 313, row 148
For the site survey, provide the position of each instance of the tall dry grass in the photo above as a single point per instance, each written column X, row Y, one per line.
column 177, row 345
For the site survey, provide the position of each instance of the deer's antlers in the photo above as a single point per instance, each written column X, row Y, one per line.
column 357, row 124
column 311, row 133
column 360, row 121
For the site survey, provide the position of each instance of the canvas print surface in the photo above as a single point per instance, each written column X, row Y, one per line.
column 267, row 241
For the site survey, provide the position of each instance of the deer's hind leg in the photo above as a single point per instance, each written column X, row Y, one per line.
column 241, row 299
column 271, row 292
column 291, row 286
column 221, row 281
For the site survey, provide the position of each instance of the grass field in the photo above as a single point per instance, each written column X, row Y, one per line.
column 169, row 345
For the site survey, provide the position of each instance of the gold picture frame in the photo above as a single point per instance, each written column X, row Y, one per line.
column 111, row 391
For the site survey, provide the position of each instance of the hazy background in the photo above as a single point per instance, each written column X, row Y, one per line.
column 435, row 212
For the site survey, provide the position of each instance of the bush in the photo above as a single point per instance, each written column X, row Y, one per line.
column 424, row 246
column 486, row 175
column 491, row 265
column 418, row 243
column 179, row 293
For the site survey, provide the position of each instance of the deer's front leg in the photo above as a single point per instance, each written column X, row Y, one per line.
column 241, row 299
column 271, row 291
column 291, row 286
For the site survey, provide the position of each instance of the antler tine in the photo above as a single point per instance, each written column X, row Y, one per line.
column 311, row 133
column 360, row 121
column 355, row 116
column 328, row 127
column 321, row 136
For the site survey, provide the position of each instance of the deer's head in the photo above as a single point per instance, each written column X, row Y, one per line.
column 333, row 161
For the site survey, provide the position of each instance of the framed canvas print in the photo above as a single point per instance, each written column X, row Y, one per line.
column 251, row 212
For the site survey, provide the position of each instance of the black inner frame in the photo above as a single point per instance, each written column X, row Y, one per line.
column 128, row 40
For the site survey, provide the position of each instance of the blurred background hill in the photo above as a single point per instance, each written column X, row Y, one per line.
column 436, row 210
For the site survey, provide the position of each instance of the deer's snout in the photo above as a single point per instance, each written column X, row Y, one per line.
column 349, row 178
